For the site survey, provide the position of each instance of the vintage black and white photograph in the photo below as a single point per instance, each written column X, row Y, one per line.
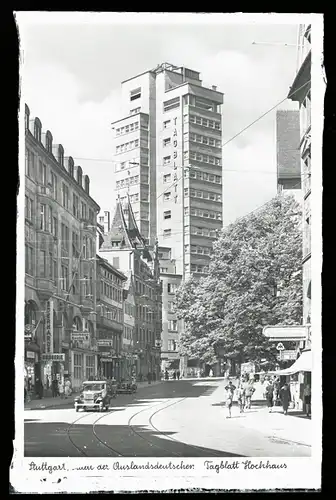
column 169, row 245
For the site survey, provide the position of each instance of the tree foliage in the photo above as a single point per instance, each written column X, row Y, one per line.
column 254, row 280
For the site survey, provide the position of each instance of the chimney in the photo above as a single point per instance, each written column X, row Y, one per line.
column 214, row 87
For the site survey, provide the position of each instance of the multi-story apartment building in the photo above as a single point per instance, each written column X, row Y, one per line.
column 126, row 249
column 104, row 221
column 110, row 319
column 171, row 326
column 168, row 159
column 301, row 92
column 288, row 152
column 60, row 233
column 132, row 365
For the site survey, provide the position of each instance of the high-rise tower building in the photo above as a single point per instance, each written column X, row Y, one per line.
column 168, row 158
column 168, row 161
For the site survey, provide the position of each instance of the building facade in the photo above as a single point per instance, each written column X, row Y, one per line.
column 126, row 249
column 171, row 326
column 60, row 265
column 168, row 160
column 288, row 152
column 110, row 320
column 301, row 92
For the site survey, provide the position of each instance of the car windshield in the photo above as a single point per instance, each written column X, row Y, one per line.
column 93, row 387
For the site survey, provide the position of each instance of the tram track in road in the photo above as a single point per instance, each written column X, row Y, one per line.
column 100, row 441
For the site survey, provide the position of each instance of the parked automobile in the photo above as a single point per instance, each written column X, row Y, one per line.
column 126, row 387
column 95, row 394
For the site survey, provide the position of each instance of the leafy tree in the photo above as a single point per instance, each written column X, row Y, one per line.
column 254, row 280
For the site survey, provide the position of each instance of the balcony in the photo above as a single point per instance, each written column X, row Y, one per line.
column 110, row 324
column 46, row 288
column 87, row 304
column 45, row 191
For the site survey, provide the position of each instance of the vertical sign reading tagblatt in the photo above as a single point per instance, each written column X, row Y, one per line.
column 175, row 158
column 49, row 326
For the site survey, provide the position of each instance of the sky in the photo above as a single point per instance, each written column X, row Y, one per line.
column 71, row 79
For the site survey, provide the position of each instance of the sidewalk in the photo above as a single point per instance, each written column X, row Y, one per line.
column 279, row 426
column 50, row 402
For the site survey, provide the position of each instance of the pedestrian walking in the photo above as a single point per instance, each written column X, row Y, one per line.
column 307, row 399
column 38, row 388
column 61, row 388
column 67, row 388
column 174, row 375
column 249, row 390
column 229, row 390
column 285, row 397
column 269, row 395
column 166, row 375
column 241, row 397
column 149, row 377
column 178, row 374
column 54, row 387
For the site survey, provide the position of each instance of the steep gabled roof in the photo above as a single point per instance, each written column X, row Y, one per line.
column 125, row 231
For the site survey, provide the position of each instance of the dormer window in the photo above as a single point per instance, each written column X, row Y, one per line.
column 87, row 184
column 79, row 175
column 60, row 155
column 49, row 141
column 37, row 129
column 71, row 166
column 27, row 113
column 115, row 244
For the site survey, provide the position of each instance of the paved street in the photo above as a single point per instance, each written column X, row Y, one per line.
column 176, row 418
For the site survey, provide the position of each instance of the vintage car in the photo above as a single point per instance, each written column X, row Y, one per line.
column 127, row 387
column 95, row 394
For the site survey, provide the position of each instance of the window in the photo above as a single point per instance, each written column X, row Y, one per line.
column 171, row 306
column 78, row 366
column 166, row 142
column 167, row 178
column 135, row 94
column 28, row 259
column 43, row 217
column 42, row 263
column 55, row 273
column 171, row 104
column 65, row 195
column 42, row 174
column 172, row 287
column 172, row 325
column 54, row 185
column 166, row 160
column 55, row 227
column 83, row 211
column 167, row 214
column 167, row 196
column 89, row 367
column 171, row 345
column 166, row 233
column 50, row 220
column 166, row 124
column 75, row 205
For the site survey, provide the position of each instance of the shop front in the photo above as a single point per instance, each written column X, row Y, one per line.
column 32, row 365
column 298, row 375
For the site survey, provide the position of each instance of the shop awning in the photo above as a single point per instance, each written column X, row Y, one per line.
column 302, row 364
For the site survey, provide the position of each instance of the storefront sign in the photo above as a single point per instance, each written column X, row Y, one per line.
column 53, row 357
column 104, row 342
column 30, row 355
column 106, row 359
column 80, row 336
column 50, row 326
column 287, row 355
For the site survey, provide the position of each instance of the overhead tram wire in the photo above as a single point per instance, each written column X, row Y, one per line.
column 223, row 144
column 229, row 140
